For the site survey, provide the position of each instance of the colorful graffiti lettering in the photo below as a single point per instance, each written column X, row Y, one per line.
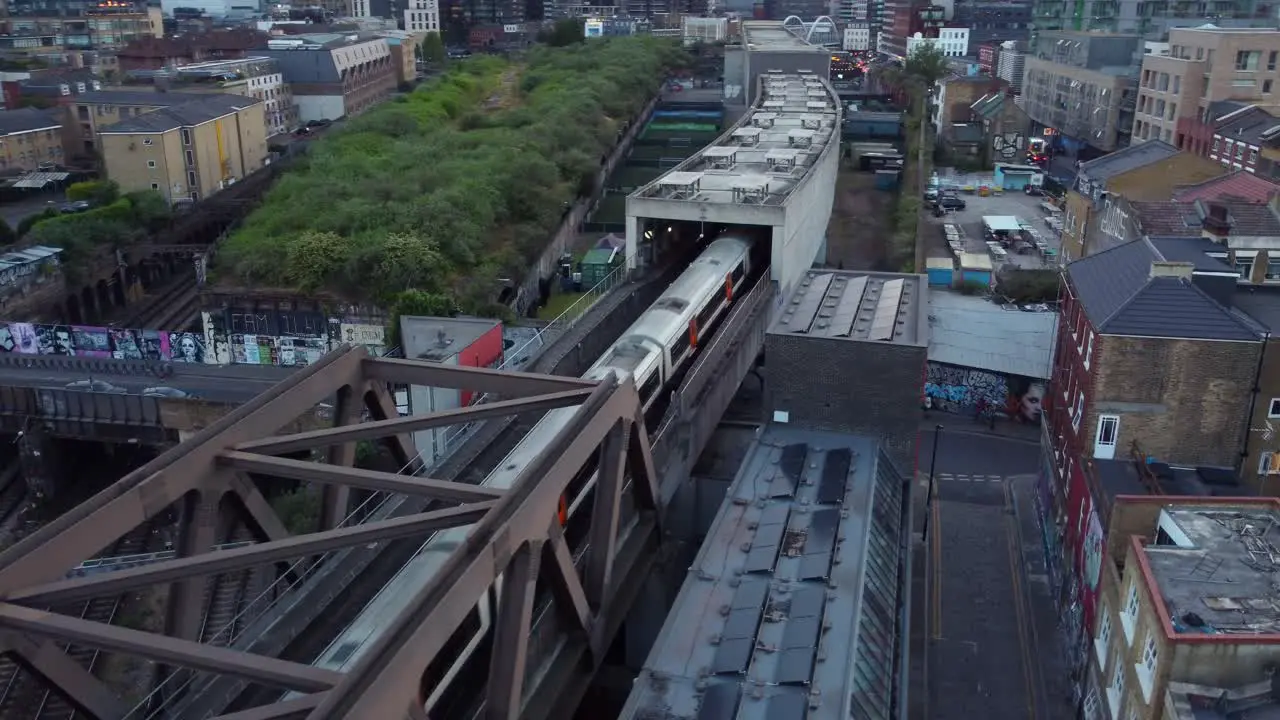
column 964, row 390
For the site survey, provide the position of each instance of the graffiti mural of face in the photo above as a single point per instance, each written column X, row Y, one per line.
column 189, row 349
column 1033, row 403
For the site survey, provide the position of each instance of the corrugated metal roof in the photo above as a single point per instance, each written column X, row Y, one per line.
column 1130, row 158
column 973, row 332
column 40, row 179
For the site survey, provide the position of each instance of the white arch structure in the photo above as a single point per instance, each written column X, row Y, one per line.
column 823, row 24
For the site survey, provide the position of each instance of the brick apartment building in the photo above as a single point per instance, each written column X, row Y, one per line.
column 160, row 52
column 1147, row 171
column 1205, row 65
column 1165, row 377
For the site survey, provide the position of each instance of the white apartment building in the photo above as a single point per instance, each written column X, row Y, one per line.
column 422, row 16
column 951, row 41
column 256, row 77
column 857, row 37
column 1012, row 65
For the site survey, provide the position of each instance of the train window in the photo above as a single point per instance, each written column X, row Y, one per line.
column 438, row 669
column 650, row 387
column 737, row 273
column 680, row 346
column 704, row 317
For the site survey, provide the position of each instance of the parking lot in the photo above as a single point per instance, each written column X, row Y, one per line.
column 1017, row 204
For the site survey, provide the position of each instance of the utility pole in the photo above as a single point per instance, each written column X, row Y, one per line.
column 928, row 498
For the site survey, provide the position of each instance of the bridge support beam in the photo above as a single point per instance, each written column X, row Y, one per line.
column 66, row 677
column 336, row 501
column 197, row 534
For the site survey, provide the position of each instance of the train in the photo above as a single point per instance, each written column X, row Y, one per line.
column 653, row 352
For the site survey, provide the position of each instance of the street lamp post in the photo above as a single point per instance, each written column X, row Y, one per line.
column 928, row 498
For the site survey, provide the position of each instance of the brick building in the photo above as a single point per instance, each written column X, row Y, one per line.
column 1149, row 171
column 857, row 371
column 155, row 53
column 334, row 75
column 1205, row 65
column 1167, row 630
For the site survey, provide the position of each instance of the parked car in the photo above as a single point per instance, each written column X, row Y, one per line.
column 97, row 386
column 950, row 202
column 165, row 391
column 1033, row 190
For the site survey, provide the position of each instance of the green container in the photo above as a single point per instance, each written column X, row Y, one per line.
column 597, row 264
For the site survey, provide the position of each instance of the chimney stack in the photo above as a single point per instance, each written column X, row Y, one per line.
column 1216, row 225
column 1161, row 268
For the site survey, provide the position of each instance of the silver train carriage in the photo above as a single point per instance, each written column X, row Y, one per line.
column 651, row 351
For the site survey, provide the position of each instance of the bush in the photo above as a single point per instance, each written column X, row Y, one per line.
column 1028, row 286
column 113, row 225
column 460, row 184
column 30, row 221
column 97, row 192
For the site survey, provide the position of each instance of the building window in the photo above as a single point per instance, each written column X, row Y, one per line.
column 1103, row 641
column 1147, row 668
column 1269, row 463
column 1253, row 156
column 1091, row 709
column 155, row 186
column 1177, row 84
column 1271, row 60
column 151, row 164
column 186, row 136
column 146, row 141
column 1129, row 615
column 1247, row 60
column 1273, row 410
column 1115, row 691
column 191, row 158
column 1244, row 266
column 192, row 181
column 1079, row 413
column 1217, row 143
column 1240, row 148
column 1088, row 348
column 1266, row 87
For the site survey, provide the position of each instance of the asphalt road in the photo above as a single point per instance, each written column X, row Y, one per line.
column 985, row 614
column 231, row 384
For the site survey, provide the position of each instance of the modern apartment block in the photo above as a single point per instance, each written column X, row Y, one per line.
column 993, row 21
column 1151, row 19
column 1186, row 603
column 256, row 77
column 334, row 75
column 30, row 139
column 62, row 35
column 1206, row 65
column 1011, row 64
column 189, row 151
column 1084, row 86
column 422, row 16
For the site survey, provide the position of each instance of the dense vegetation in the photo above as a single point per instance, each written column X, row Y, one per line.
column 453, row 186
column 114, row 221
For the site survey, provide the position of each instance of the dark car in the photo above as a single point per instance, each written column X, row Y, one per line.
column 1035, row 190
column 950, row 202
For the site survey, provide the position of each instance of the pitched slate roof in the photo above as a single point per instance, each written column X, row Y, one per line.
column 25, row 120
column 184, row 115
column 1239, row 185
column 1183, row 219
column 1194, row 250
column 1247, row 125
column 1121, row 298
column 1130, row 158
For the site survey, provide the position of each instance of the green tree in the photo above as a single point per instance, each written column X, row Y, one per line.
column 432, row 50
column 30, row 221
column 97, row 192
column 299, row 510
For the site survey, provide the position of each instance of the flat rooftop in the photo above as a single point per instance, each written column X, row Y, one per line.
column 853, row 305
column 771, row 36
column 793, row 588
column 438, row 338
column 1257, row 701
column 1214, row 568
column 969, row 331
column 766, row 156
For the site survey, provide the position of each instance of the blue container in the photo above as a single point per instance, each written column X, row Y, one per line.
column 887, row 179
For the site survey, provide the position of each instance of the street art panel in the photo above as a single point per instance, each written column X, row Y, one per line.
column 186, row 347
column 286, row 339
column 85, row 341
column 967, row 391
column 91, row 341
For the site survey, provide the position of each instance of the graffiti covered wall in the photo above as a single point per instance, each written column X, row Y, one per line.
column 289, row 336
column 100, row 342
column 966, row 391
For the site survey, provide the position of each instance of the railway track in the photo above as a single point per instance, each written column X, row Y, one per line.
column 25, row 697
column 227, row 599
column 174, row 303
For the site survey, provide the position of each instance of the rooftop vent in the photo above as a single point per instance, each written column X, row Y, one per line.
column 1172, row 269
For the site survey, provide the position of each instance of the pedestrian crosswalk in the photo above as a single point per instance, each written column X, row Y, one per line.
column 950, row 477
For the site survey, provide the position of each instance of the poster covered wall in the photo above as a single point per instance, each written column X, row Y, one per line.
column 950, row 388
column 292, row 338
column 99, row 342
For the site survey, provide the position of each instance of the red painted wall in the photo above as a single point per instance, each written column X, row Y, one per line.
column 486, row 351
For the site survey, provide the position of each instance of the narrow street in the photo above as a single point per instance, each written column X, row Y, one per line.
column 984, row 625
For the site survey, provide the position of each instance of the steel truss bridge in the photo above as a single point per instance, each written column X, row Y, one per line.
column 539, row 666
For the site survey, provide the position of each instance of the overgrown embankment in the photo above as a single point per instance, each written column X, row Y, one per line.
column 453, row 186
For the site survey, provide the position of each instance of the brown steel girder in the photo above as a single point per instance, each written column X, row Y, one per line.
column 515, row 535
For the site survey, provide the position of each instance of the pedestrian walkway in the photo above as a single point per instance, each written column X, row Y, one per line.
column 990, row 644
column 964, row 425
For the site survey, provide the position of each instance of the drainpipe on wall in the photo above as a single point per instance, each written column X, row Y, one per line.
column 1253, row 405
